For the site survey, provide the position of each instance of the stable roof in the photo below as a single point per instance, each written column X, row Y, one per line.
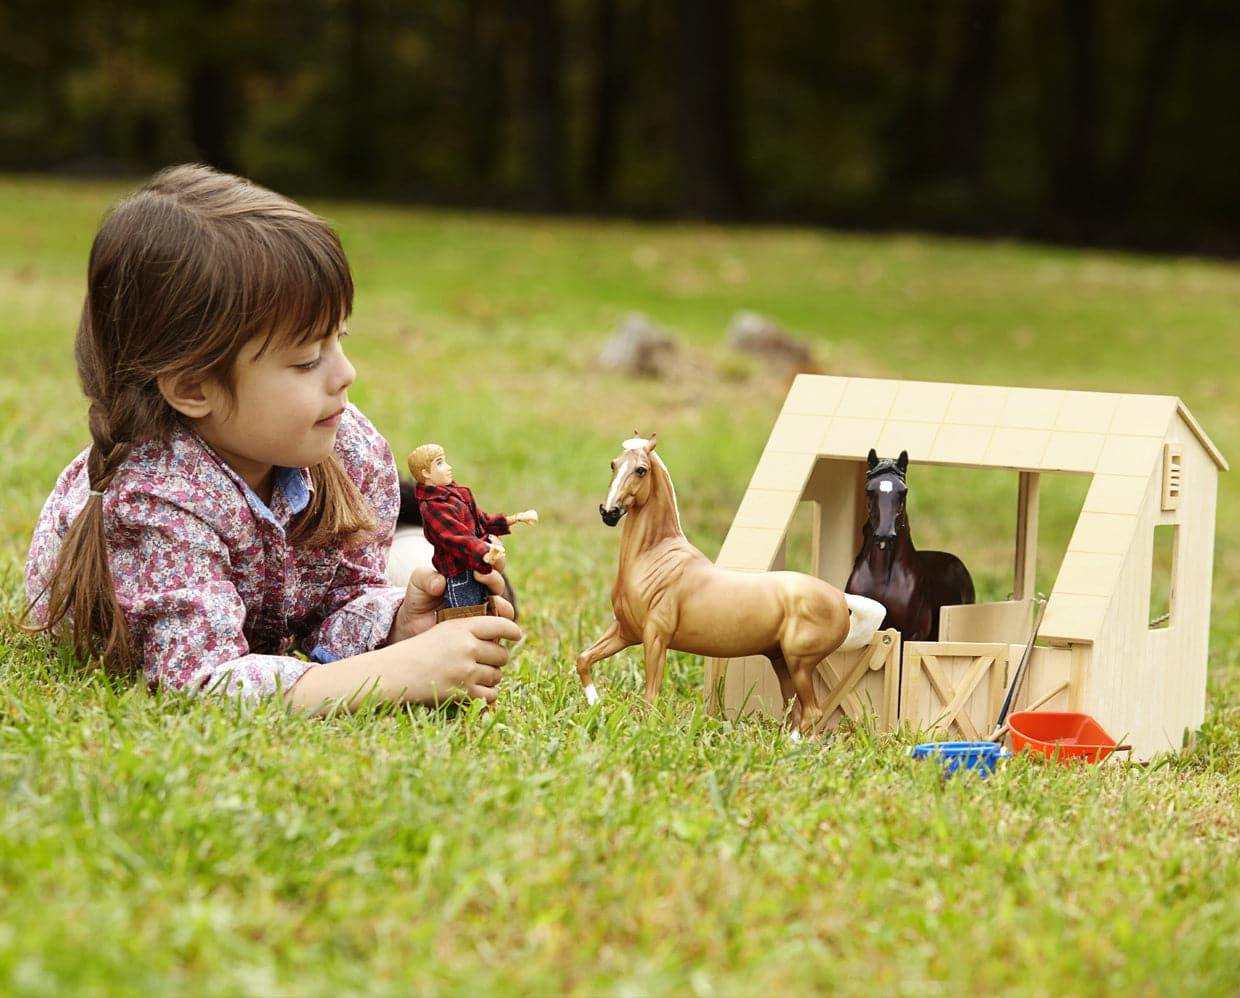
column 1117, row 438
column 984, row 426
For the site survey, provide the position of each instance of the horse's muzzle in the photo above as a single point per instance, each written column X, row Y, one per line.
column 883, row 542
column 610, row 516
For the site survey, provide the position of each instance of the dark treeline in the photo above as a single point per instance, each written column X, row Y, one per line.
column 1080, row 120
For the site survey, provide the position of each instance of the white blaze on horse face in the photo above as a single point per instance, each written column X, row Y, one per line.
column 618, row 476
column 885, row 486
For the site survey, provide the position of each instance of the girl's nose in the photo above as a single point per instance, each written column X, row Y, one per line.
column 344, row 373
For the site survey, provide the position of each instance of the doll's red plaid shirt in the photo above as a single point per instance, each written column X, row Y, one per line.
column 456, row 528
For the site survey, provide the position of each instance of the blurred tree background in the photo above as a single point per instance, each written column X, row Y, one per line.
column 1102, row 121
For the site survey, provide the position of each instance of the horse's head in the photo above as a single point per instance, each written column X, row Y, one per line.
column 885, row 494
column 630, row 479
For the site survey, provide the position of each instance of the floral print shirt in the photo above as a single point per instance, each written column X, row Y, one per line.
column 213, row 594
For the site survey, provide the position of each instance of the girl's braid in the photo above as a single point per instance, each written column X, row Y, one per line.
column 107, row 452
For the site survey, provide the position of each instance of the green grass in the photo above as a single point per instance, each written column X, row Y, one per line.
column 159, row 844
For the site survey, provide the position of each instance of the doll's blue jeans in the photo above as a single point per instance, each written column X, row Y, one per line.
column 465, row 590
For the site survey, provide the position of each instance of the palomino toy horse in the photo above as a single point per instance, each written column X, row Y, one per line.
column 913, row 585
column 668, row 595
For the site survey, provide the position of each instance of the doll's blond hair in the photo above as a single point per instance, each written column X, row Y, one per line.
column 421, row 458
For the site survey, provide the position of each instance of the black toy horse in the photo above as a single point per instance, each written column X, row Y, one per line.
column 911, row 584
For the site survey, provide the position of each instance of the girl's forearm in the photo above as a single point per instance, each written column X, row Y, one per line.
column 379, row 675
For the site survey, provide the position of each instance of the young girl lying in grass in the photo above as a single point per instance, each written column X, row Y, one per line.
column 232, row 506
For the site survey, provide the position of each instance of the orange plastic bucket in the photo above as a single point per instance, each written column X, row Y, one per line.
column 1062, row 734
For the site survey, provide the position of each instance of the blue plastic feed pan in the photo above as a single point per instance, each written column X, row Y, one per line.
column 979, row 756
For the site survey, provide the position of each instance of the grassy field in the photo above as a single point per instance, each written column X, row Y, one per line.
column 160, row 844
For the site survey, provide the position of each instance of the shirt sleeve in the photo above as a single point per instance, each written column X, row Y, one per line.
column 494, row 524
column 186, row 619
column 360, row 609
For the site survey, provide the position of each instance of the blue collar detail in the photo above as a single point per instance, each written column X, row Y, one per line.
column 291, row 486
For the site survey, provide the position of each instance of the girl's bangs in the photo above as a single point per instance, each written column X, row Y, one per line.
column 302, row 294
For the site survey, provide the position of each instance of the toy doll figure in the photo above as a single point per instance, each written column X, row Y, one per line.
column 463, row 536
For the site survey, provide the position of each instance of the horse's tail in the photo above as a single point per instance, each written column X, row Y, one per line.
column 865, row 615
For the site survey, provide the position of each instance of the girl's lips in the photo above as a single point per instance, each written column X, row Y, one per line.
column 333, row 419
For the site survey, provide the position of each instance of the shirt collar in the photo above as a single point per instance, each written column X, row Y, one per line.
column 290, row 496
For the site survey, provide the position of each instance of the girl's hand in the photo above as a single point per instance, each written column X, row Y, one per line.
column 424, row 595
column 458, row 659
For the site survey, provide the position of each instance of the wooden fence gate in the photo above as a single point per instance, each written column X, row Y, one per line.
column 862, row 683
column 954, row 689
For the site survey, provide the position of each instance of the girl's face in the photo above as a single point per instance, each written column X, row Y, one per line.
column 287, row 405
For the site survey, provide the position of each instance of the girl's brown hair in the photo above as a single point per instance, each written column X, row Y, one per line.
column 182, row 275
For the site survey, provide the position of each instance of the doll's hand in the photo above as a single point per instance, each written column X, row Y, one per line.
column 529, row 516
column 424, row 595
column 497, row 558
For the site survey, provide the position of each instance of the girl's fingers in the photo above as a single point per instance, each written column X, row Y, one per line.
column 494, row 581
column 494, row 628
column 488, row 677
column 425, row 580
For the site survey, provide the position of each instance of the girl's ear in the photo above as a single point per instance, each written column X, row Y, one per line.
column 187, row 393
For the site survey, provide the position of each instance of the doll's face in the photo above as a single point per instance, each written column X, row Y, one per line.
column 439, row 473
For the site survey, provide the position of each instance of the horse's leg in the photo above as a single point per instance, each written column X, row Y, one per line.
column 606, row 646
column 787, row 692
column 801, row 669
column 655, row 646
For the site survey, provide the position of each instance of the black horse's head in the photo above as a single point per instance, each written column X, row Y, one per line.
column 885, row 493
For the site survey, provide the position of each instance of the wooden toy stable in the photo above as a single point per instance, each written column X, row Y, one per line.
column 1152, row 466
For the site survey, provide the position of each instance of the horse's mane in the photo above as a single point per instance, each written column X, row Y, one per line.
column 671, row 487
column 885, row 467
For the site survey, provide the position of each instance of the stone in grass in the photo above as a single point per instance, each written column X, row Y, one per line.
column 638, row 347
column 755, row 334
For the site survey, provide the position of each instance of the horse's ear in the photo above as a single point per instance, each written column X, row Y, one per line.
column 871, row 459
column 654, row 438
column 902, row 462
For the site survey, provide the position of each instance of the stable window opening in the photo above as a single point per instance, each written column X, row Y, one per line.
column 1162, row 575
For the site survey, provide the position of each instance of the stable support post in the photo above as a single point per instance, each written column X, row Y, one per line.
column 1024, row 582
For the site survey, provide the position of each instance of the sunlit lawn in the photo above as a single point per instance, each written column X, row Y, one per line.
column 158, row 844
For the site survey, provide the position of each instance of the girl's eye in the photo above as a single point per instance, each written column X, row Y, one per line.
column 309, row 365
